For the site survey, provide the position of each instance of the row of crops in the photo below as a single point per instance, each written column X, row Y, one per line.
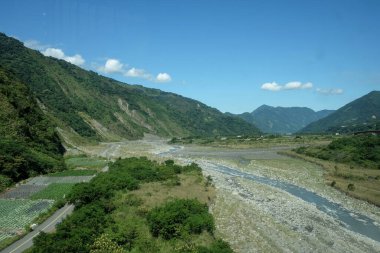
column 18, row 213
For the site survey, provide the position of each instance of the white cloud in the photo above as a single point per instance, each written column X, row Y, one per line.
column 115, row 66
column 163, row 77
column 59, row 54
column 112, row 66
column 54, row 52
column 332, row 91
column 75, row 59
column 273, row 86
column 35, row 44
column 297, row 86
column 134, row 72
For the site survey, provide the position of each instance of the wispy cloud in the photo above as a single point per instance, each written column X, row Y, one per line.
column 332, row 91
column 295, row 85
column 140, row 73
column 58, row 53
column 115, row 66
column 35, row 44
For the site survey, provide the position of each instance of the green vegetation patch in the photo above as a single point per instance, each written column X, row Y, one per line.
column 29, row 143
column 54, row 191
column 67, row 173
column 105, row 220
column 362, row 150
column 180, row 216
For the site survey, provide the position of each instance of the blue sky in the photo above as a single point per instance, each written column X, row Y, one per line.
column 233, row 55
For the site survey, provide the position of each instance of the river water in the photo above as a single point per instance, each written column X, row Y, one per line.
column 353, row 221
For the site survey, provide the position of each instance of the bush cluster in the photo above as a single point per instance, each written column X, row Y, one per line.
column 178, row 217
column 92, row 228
column 363, row 150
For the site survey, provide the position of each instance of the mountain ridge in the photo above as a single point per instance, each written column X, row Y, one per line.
column 85, row 104
column 282, row 120
column 358, row 115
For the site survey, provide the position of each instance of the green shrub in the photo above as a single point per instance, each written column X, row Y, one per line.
column 362, row 150
column 180, row 216
column 4, row 182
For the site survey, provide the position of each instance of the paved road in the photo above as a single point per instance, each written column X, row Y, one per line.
column 47, row 226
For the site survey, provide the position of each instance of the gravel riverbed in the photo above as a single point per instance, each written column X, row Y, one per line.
column 255, row 217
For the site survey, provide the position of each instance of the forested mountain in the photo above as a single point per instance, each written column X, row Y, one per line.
column 359, row 115
column 29, row 143
column 85, row 104
column 282, row 120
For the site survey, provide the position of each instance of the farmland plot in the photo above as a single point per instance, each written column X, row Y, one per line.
column 66, row 173
column 54, row 191
column 22, row 192
column 43, row 180
column 17, row 213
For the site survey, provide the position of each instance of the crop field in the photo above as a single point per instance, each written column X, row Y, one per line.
column 53, row 191
column 43, row 180
column 86, row 162
column 22, row 192
column 67, row 173
column 22, row 204
column 17, row 213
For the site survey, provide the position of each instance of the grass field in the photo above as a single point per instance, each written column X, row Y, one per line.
column 365, row 182
column 133, row 206
column 264, row 141
column 43, row 180
column 18, row 213
column 55, row 191
column 155, row 193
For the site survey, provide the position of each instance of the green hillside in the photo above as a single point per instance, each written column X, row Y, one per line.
column 29, row 143
column 85, row 104
column 360, row 115
column 282, row 120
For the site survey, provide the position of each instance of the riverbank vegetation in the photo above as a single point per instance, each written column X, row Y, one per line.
column 254, row 141
column 350, row 163
column 360, row 150
column 138, row 206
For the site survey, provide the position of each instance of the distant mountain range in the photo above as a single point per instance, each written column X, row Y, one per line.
column 282, row 120
column 83, row 104
column 360, row 115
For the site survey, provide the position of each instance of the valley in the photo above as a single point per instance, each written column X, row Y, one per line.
column 189, row 126
column 267, row 202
